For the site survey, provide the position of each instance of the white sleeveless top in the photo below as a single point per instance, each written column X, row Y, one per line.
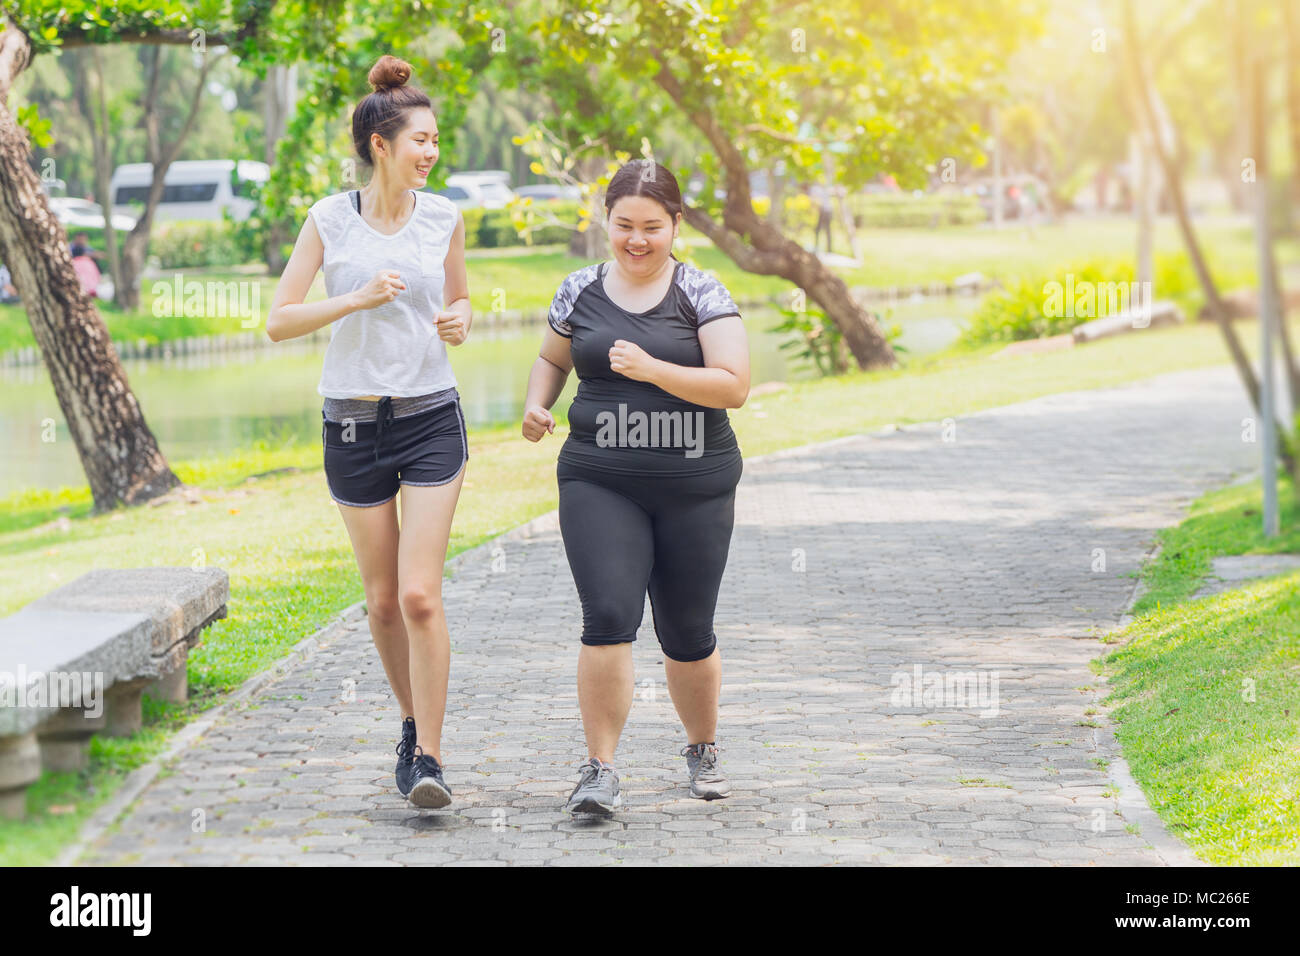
column 392, row 349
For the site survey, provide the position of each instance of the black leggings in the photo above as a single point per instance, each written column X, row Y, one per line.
column 670, row 534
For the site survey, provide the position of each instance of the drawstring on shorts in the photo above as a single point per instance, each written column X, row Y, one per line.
column 383, row 419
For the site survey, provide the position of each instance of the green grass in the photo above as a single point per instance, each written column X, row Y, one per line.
column 527, row 280
column 280, row 537
column 1206, row 693
column 1224, row 522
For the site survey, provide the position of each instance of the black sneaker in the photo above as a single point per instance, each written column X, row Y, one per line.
column 428, row 789
column 406, row 756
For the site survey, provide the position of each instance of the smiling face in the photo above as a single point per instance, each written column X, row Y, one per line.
column 412, row 153
column 641, row 234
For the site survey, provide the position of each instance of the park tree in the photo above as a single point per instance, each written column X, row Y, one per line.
column 1153, row 118
column 118, row 452
column 887, row 86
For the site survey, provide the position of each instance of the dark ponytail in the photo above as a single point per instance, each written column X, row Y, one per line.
column 384, row 111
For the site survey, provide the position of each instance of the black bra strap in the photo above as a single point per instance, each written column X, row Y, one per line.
column 356, row 199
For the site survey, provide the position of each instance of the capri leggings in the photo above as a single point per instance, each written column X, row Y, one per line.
column 665, row 533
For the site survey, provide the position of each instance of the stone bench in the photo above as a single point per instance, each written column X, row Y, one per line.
column 121, row 632
column 1131, row 320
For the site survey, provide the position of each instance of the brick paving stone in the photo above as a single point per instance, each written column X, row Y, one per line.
column 859, row 569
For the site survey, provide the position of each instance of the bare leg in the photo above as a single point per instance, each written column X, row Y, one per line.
column 422, row 552
column 374, row 542
column 695, row 687
column 604, row 696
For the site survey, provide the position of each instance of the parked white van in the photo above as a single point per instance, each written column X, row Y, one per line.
column 192, row 188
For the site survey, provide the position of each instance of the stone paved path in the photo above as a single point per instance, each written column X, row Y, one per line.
column 978, row 555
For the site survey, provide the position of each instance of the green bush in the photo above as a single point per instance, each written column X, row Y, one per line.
column 186, row 244
column 883, row 211
column 508, row 225
column 905, row 211
column 1020, row 309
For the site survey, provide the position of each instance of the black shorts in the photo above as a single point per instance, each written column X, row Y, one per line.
column 366, row 462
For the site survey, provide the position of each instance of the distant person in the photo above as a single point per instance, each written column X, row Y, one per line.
column 825, row 213
column 8, row 293
column 87, row 274
column 81, row 247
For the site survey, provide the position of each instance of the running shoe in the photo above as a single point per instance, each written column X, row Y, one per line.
column 406, row 756
column 428, row 789
column 597, row 790
column 707, row 783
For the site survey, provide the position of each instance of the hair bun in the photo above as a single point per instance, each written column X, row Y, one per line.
column 389, row 73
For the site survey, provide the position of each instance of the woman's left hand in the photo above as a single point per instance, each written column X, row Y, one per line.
column 451, row 327
column 628, row 358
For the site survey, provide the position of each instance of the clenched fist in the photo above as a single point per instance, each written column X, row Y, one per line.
column 451, row 327
column 537, row 422
column 628, row 358
column 383, row 288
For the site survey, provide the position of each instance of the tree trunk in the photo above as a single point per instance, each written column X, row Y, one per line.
column 281, row 100
column 118, row 452
column 87, row 64
column 774, row 254
column 1291, row 69
column 776, row 189
column 1144, row 208
column 1173, row 182
column 754, row 245
column 160, row 156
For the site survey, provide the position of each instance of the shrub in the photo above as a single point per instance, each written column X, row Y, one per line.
column 184, row 244
column 1019, row 310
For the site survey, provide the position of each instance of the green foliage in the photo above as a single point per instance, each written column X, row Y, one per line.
column 1205, row 690
column 1020, row 310
column 190, row 244
column 882, row 211
column 903, row 210
column 244, row 240
column 885, row 87
column 38, row 129
column 815, row 341
column 547, row 221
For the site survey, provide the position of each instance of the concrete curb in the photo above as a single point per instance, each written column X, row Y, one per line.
column 108, row 814
column 1131, row 802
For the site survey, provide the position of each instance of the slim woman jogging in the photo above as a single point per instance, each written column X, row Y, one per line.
column 647, row 477
column 394, row 262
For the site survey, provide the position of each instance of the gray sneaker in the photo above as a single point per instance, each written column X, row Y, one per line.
column 702, row 765
column 597, row 790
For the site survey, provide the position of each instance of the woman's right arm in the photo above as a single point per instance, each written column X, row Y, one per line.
column 545, row 383
column 290, row 318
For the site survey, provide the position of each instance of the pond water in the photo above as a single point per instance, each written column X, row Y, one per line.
column 205, row 405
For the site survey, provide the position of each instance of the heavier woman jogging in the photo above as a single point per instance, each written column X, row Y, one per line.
column 647, row 477
column 394, row 261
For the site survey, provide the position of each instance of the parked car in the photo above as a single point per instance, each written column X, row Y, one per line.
column 84, row 214
column 544, row 191
column 484, row 189
column 192, row 189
